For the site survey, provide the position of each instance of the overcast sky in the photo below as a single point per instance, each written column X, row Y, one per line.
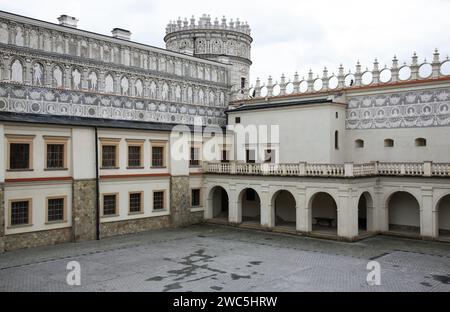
column 288, row 36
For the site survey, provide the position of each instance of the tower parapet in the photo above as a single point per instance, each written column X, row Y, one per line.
column 223, row 41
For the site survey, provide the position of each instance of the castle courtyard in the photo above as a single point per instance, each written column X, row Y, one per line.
column 220, row 258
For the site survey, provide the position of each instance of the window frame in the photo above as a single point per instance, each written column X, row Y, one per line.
column 158, row 143
column 20, row 139
column 57, row 140
column 30, row 213
column 195, row 163
column 64, row 220
column 141, row 205
column 389, row 143
column 164, row 200
column 359, row 143
column 200, row 202
column 110, row 142
column 420, row 142
column 139, row 143
column 116, row 212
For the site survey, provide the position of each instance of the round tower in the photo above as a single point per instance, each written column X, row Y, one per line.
column 226, row 42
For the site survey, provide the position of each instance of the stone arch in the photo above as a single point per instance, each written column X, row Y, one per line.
column 365, row 212
column 403, row 212
column 218, row 202
column 109, row 83
column 249, row 205
column 284, row 206
column 443, row 216
column 323, row 212
column 92, row 80
column 38, row 73
column 57, row 76
column 17, row 70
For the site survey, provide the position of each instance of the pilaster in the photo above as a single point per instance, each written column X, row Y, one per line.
column 428, row 215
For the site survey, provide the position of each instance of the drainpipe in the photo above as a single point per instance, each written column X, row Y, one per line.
column 97, row 190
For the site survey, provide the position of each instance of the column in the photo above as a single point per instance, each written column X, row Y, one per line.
column 266, row 210
column 303, row 213
column 347, row 214
column 234, row 206
column 84, row 209
column 428, row 215
column 28, row 79
column 381, row 223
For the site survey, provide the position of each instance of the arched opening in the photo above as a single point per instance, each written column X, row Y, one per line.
column 324, row 213
column 388, row 143
column 421, row 142
column 219, row 203
column 359, row 143
column 365, row 202
column 250, row 206
column 443, row 209
column 404, row 213
column 284, row 205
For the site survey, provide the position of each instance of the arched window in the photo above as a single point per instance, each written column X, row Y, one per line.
column 421, row 142
column 388, row 143
column 57, row 81
column 359, row 143
column 336, row 139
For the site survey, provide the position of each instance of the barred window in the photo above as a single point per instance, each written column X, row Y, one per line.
column 19, row 156
column 157, row 156
column 109, row 156
column 134, row 156
column 20, row 212
column 55, row 210
column 109, row 205
column 135, row 202
column 55, row 156
column 194, row 156
column 195, row 197
column 158, row 200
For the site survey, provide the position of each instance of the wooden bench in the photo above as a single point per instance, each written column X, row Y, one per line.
column 324, row 221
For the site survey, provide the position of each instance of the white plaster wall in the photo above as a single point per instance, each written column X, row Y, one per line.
column 123, row 135
column 404, row 150
column 444, row 213
column 39, row 152
column 306, row 132
column 404, row 210
column 83, row 147
column 124, row 187
column 285, row 206
column 38, row 193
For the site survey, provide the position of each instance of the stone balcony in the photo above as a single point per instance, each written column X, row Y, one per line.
column 346, row 170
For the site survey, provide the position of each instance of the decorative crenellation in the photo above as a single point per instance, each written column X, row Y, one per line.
column 204, row 22
column 64, row 41
column 352, row 79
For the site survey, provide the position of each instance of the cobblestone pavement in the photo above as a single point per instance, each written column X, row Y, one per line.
column 218, row 258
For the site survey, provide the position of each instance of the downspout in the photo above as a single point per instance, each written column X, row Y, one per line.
column 97, row 190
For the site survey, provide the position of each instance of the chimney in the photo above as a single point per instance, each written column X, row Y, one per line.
column 69, row 21
column 120, row 33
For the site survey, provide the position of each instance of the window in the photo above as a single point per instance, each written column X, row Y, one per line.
column 421, row 142
column 336, row 140
column 19, row 156
column 237, row 120
column 110, row 155
column 135, row 202
column 195, row 197
column 134, row 156
column 388, row 143
column 109, row 204
column 337, row 115
column 157, row 156
column 194, row 161
column 20, row 212
column 224, row 158
column 359, row 143
column 158, row 200
column 55, row 156
column 56, row 209
column 242, row 83
column 250, row 156
column 269, row 155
